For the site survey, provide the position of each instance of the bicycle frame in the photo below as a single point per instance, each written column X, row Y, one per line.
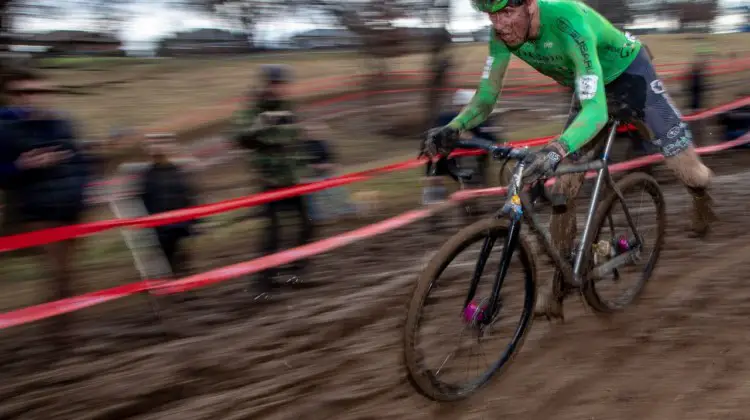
column 519, row 207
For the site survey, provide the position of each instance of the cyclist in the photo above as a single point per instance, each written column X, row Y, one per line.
column 578, row 48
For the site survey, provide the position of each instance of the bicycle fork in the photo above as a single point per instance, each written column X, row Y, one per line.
column 510, row 244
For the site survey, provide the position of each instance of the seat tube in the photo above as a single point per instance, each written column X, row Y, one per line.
column 594, row 201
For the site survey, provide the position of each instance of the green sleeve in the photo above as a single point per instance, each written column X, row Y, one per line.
column 484, row 99
column 580, row 44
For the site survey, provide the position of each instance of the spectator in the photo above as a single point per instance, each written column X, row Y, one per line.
column 435, row 190
column 736, row 122
column 269, row 129
column 330, row 203
column 166, row 187
column 696, row 83
column 42, row 169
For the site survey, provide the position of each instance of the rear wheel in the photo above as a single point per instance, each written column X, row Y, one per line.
column 449, row 274
column 613, row 237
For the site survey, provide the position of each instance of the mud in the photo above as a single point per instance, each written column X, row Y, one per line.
column 332, row 349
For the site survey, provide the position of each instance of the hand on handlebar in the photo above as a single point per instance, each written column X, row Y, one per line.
column 440, row 141
column 543, row 163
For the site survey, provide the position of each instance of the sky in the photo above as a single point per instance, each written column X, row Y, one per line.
column 150, row 22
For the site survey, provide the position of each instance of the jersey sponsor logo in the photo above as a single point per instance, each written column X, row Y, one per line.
column 541, row 57
column 487, row 67
column 658, row 87
column 674, row 131
column 549, row 44
column 623, row 52
column 564, row 26
column 587, row 86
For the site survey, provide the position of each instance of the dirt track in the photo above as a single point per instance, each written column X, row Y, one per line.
column 333, row 350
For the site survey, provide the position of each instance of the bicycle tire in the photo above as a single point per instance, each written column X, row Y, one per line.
column 422, row 379
column 630, row 181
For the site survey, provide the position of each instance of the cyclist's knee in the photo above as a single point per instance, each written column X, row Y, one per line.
column 689, row 168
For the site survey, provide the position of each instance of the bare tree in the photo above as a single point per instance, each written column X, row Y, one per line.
column 373, row 22
column 698, row 14
column 616, row 11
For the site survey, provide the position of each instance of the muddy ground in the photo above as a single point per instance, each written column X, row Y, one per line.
column 331, row 347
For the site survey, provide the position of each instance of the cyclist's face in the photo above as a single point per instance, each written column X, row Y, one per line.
column 511, row 25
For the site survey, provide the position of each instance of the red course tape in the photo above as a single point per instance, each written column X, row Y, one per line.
column 47, row 310
column 40, row 237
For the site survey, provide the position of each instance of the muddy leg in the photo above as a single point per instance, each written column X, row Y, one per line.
column 690, row 170
column 563, row 232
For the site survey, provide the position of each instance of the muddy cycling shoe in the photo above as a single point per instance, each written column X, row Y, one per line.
column 702, row 213
column 549, row 302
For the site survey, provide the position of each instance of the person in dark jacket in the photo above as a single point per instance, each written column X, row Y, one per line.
column 697, row 82
column 42, row 170
column 434, row 189
column 166, row 187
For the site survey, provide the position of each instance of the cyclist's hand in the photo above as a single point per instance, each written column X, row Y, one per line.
column 543, row 163
column 440, row 141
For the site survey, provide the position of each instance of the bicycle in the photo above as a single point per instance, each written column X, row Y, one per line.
column 590, row 263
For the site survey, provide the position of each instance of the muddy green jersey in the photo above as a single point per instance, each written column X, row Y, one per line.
column 577, row 47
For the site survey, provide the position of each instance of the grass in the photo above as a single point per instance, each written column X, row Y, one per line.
column 152, row 90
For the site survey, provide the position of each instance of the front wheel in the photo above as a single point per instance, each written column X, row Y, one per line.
column 442, row 291
column 614, row 239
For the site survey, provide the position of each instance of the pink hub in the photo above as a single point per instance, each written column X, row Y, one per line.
column 473, row 312
column 622, row 244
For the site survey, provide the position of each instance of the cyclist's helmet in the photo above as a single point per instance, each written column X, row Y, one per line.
column 276, row 73
column 493, row 6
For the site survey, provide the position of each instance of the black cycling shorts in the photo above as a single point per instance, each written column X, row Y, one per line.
column 640, row 88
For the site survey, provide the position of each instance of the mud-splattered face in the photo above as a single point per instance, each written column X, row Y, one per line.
column 511, row 25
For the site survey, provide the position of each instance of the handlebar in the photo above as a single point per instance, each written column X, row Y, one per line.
column 499, row 151
column 496, row 150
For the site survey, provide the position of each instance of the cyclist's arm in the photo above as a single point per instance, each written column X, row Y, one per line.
column 484, row 99
column 580, row 44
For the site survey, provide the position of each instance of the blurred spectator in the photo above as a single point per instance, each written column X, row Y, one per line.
column 268, row 127
column 42, row 169
column 166, row 187
column 434, row 189
column 735, row 123
column 696, row 83
column 331, row 203
column 440, row 65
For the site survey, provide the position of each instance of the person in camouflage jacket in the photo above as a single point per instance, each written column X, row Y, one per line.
column 269, row 128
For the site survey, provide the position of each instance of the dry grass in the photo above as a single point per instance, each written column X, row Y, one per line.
column 145, row 92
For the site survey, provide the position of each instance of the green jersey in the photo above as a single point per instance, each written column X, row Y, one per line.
column 578, row 48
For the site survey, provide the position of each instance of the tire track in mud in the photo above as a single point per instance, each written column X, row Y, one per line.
column 571, row 377
column 334, row 351
column 548, row 347
column 566, row 388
